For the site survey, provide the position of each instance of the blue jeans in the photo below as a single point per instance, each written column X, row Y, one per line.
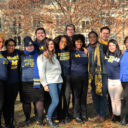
column 54, row 91
column 100, row 102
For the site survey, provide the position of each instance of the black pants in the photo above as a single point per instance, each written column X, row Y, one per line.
column 2, row 86
column 63, row 108
column 124, row 112
column 47, row 101
column 80, row 88
column 11, row 91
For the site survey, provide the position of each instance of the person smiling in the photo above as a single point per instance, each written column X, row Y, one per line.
column 3, row 75
column 97, row 75
column 63, row 48
column 112, row 63
column 13, row 80
column 79, row 78
column 31, row 88
column 50, row 77
column 40, row 34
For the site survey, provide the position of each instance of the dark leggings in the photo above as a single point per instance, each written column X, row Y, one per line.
column 80, row 89
column 11, row 91
column 39, row 110
column 2, row 85
column 63, row 108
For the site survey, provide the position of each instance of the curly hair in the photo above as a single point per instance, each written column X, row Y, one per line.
column 78, row 37
column 57, row 42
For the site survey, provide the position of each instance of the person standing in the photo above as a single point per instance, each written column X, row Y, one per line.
column 104, row 38
column 63, row 49
column 97, row 75
column 31, row 88
column 3, row 76
column 79, row 78
column 50, row 77
column 112, row 63
column 70, row 30
column 40, row 34
column 13, row 81
column 124, row 81
column 104, row 35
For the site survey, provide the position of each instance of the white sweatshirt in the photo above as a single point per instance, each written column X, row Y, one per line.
column 49, row 73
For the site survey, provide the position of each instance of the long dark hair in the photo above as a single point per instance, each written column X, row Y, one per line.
column 125, row 39
column 117, row 52
column 50, row 54
column 57, row 42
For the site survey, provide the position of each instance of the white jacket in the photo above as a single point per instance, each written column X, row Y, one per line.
column 49, row 73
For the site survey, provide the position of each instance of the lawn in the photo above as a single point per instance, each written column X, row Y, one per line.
column 19, row 119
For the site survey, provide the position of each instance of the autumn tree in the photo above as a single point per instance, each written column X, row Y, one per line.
column 22, row 17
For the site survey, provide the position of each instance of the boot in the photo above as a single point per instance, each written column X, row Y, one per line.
column 118, row 118
column 85, row 118
column 123, row 121
column 51, row 123
column 40, row 121
column 11, row 125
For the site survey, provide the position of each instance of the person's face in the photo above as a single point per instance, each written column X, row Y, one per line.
column 105, row 34
column 51, row 46
column 126, row 44
column 70, row 31
column 93, row 38
column 78, row 44
column 63, row 43
column 112, row 47
column 29, row 48
column 10, row 47
column 40, row 35
column 1, row 43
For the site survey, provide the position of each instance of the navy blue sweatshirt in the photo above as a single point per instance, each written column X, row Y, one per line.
column 13, row 66
column 79, row 63
column 64, row 59
column 113, row 66
column 3, row 67
column 39, row 46
column 27, row 68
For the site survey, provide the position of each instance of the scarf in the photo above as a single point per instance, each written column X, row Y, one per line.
column 103, row 42
column 36, row 72
column 97, row 76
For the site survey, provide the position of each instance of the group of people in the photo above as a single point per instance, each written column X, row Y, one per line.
column 49, row 70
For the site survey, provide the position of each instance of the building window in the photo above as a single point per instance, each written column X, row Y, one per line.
column 36, row 23
column 87, row 22
column 83, row 24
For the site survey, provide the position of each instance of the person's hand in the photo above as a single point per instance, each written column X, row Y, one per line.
column 85, row 51
column 46, row 88
column 122, row 52
column 45, row 54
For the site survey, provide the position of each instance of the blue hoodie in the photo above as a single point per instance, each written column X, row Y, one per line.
column 124, row 67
